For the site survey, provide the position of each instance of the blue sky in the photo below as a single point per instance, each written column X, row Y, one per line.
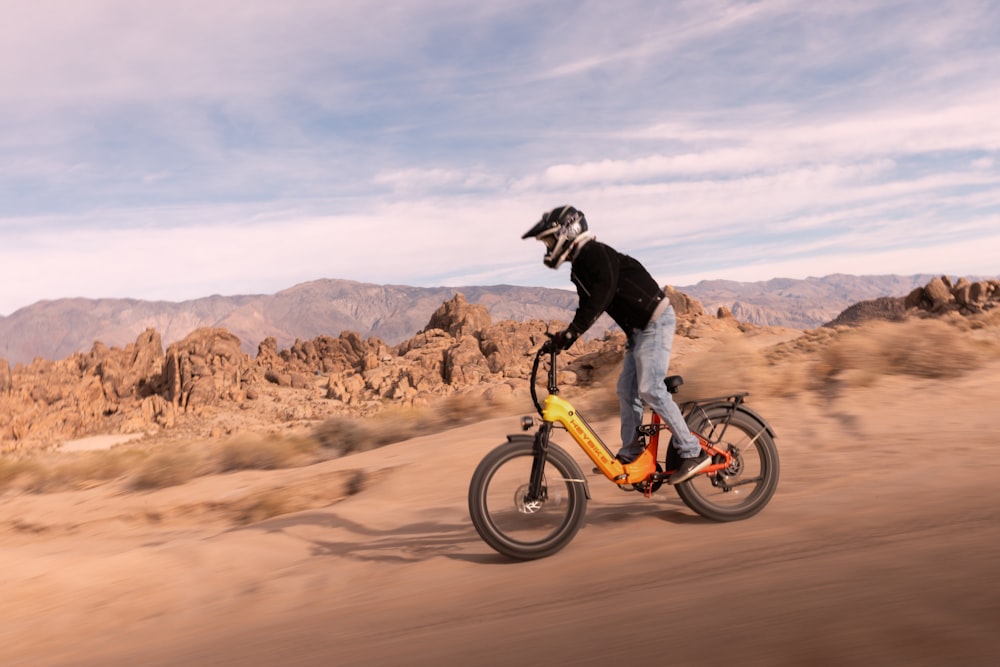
column 173, row 150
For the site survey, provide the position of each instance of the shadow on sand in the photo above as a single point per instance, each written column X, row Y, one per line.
column 423, row 540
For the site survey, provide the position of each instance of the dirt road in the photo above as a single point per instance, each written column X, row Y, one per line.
column 881, row 547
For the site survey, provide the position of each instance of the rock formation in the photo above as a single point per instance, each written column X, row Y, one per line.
column 968, row 298
column 142, row 389
column 938, row 297
column 123, row 390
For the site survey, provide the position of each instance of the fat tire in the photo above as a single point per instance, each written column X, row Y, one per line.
column 761, row 493
column 572, row 484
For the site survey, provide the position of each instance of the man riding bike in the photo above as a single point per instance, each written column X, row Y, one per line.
column 609, row 281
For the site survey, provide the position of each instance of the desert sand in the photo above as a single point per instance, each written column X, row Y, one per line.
column 880, row 547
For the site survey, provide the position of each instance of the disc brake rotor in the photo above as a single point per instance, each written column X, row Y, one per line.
column 524, row 504
column 735, row 467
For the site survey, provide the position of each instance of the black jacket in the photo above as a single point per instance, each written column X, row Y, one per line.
column 608, row 281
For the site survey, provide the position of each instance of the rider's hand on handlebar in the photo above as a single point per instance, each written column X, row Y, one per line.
column 560, row 341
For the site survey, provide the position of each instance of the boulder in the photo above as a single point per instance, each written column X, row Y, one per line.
column 938, row 292
column 684, row 306
column 507, row 346
column 979, row 293
column 916, row 299
column 464, row 363
column 941, row 296
column 203, row 369
column 132, row 371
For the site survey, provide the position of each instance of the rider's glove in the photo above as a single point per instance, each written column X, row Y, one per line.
column 561, row 341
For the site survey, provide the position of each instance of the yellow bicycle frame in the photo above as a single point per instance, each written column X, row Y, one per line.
column 558, row 411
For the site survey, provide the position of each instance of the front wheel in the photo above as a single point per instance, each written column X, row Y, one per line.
column 512, row 522
column 747, row 484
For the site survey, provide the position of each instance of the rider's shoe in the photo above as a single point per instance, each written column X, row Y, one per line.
column 631, row 451
column 690, row 467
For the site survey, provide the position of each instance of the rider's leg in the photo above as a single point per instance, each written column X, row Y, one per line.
column 631, row 410
column 630, row 405
column 651, row 349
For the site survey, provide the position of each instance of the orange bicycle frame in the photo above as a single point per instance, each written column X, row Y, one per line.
column 555, row 410
column 558, row 410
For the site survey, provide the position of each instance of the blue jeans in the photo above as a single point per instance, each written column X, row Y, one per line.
column 647, row 359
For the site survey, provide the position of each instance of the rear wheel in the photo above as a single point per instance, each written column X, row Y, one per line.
column 746, row 486
column 515, row 524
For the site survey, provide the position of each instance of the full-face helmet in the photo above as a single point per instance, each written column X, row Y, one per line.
column 563, row 230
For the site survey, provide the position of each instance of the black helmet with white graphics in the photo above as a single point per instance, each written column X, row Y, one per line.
column 563, row 230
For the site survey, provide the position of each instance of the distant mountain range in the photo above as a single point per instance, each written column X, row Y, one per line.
column 58, row 328
column 799, row 304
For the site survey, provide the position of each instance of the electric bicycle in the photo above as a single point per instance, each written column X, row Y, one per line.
column 528, row 497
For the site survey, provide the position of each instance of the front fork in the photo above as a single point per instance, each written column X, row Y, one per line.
column 536, row 488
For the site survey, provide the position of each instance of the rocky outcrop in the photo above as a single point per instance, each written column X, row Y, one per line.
column 128, row 372
column 938, row 297
column 120, row 390
column 203, row 369
column 459, row 350
column 46, row 399
column 457, row 317
column 684, row 306
column 883, row 308
column 329, row 355
column 140, row 388
column 964, row 296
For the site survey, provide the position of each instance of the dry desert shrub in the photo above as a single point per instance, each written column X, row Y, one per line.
column 265, row 505
column 74, row 471
column 345, row 434
column 465, row 408
column 847, row 356
column 928, row 348
column 167, row 467
column 268, row 503
column 104, row 464
column 262, row 452
column 177, row 465
column 14, row 470
column 732, row 365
